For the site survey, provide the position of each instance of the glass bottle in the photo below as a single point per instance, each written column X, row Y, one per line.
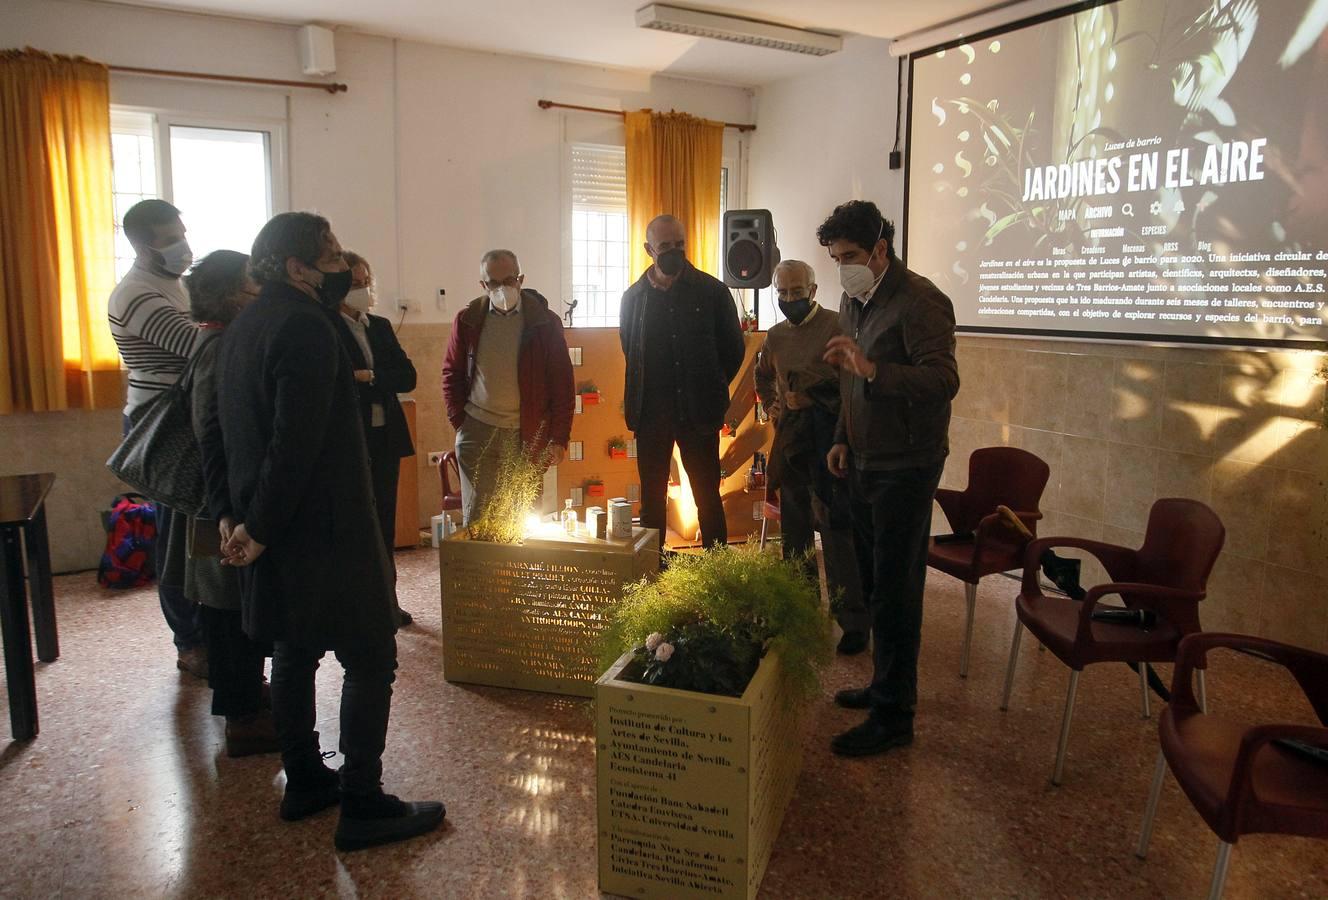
column 569, row 517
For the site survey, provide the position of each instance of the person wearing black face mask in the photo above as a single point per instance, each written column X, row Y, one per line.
column 800, row 391
column 680, row 333
column 296, row 514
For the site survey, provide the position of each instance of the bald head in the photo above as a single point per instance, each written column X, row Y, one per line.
column 665, row 228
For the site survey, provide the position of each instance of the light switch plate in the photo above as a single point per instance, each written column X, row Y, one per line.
column 578, row 498
column 575, row 353
column 576, row 450
column 631, row 449
column 578, row 404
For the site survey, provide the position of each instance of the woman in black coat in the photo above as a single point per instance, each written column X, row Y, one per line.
column 382, row 370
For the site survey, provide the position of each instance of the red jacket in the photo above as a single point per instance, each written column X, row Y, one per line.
column 543, row 370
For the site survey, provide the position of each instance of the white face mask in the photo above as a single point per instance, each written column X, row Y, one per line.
column 360, row 299
column 505, row 298
column 858, row 280
column 176, row 257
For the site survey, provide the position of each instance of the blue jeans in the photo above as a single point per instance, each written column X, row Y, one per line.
column 180, row 612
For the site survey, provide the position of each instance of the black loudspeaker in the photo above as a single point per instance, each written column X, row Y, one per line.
column 750, row 254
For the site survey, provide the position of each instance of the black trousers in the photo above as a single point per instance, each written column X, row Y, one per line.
column 366, row 702
column 235, row 664
column 700, row 457
column 891, row 524
column 801, row 515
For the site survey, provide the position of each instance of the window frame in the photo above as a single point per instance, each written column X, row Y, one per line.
column 163, row 119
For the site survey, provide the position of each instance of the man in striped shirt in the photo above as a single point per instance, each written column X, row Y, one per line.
column 149, row 318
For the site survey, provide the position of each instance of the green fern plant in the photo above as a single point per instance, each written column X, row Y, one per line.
column 720, row 612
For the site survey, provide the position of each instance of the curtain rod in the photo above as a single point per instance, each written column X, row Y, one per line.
column 549, row 104
column 331, row 87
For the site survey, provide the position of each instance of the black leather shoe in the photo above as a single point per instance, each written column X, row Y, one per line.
column 368, row 821
column 873, row 736
column 853, row 698
column 852, row 643
column 310, row 795
column 403, row 618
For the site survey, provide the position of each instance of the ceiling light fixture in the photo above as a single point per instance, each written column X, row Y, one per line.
column 732, row 28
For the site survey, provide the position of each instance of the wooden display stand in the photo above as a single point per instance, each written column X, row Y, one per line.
column 408, row 488
column 530, row 615
column 598, row 423
column 692, row 788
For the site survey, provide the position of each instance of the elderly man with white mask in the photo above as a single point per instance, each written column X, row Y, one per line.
column 800, row 391
column 507, row 379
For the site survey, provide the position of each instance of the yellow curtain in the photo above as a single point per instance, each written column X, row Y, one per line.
column 674, row 162
column 57, row 251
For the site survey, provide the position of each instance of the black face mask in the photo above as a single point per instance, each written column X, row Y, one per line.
column 796, row 310
column 670, row 262
column 335, row 287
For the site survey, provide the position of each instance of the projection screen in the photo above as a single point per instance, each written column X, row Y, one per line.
column 1142, row 170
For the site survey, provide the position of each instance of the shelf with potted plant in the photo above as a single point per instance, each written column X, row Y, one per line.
column 589, row 393
column 697, row 722
column 617, row 447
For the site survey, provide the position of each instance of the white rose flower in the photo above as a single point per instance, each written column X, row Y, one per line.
column 654, row 640
column 664, row 651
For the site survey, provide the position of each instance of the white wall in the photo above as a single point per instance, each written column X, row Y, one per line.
column 455, row 134
column 442, row 148
column 822, row 139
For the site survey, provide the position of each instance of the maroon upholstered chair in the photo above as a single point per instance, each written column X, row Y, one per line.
column 1238, row 780
column 997, row 476
column 450, row 474
column 1167, row 576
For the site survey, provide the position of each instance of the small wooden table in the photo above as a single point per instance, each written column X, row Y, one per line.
column 23, row 526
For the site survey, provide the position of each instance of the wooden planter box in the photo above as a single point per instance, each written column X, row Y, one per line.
column 692, row 787
column 529, row 615
column 590, row 398
column 617, row 452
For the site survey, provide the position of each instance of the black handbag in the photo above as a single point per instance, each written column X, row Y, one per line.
column 160, row 455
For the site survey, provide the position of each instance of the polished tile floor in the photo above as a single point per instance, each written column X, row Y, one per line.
column 128, row 792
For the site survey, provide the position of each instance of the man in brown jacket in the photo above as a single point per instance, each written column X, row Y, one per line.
column 896, row 359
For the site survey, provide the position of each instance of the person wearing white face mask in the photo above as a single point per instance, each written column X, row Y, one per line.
column 149, row 317
column 896, row 358
column 507, row 379
column 382, row 370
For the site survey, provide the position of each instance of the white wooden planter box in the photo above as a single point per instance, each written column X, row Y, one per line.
column 529, row 615
column 692, row 788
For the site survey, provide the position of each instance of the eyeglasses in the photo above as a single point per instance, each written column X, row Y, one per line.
column 510, row 281
column 792, row 295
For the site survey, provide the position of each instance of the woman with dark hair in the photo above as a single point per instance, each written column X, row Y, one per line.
column 297, row 514
column 219, row 287
column 382, row 370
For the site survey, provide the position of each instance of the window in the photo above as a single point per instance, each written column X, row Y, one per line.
column 222, row 176
column 134, row 163
column 599, row 233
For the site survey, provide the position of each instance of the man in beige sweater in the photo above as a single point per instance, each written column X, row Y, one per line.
column 800, row 390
